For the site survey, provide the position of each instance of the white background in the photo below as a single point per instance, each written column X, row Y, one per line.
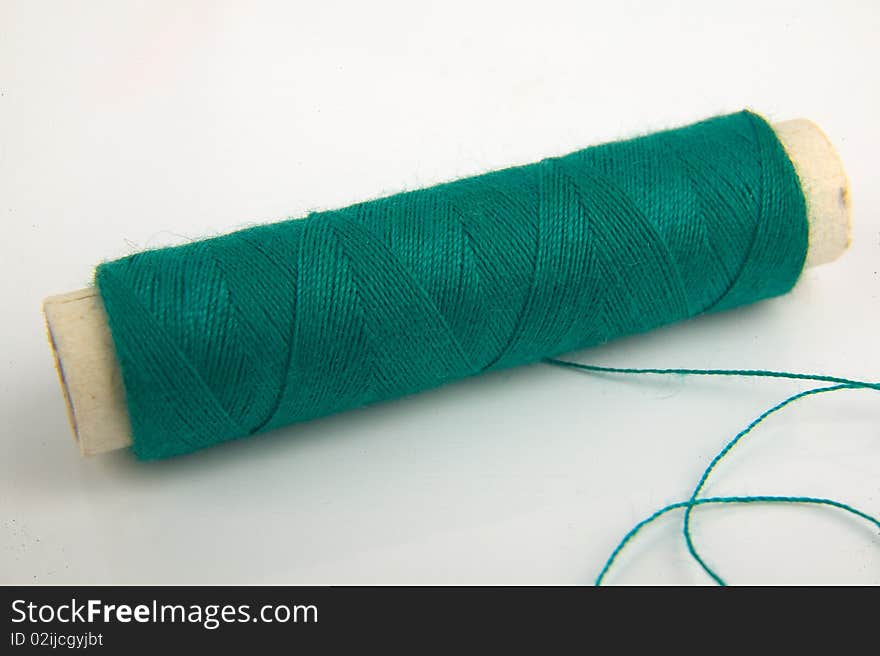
column 126, row 125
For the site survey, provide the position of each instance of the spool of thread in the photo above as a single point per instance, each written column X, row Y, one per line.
column 780, row 194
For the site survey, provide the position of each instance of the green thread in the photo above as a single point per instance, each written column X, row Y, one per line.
column 264, row 327
column 282, row 323
column 695, row 500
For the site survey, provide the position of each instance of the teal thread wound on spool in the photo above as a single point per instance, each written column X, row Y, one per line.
column 282, row 323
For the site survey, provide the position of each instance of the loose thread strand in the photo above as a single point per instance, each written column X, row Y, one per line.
column 695, row 500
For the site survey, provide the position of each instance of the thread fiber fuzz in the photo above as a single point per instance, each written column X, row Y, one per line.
column 276, row 324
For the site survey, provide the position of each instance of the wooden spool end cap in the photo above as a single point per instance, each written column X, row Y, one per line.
column 825, row 185
column 91, row 380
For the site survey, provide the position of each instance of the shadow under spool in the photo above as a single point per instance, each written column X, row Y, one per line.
column 90, row 374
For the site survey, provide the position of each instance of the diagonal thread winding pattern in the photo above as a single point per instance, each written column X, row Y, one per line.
column 282, row 323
